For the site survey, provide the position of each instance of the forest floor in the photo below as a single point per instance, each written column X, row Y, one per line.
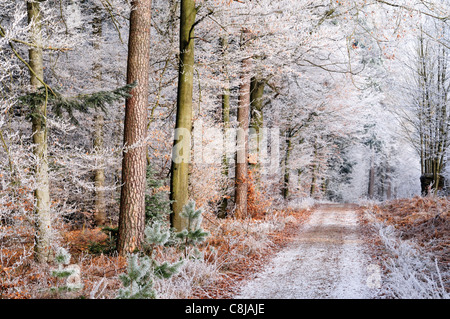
column 316, row 252
column 337, row 251
column 327, row 259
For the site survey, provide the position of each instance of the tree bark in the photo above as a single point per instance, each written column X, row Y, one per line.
column 388, row 182
column 43, row 251
column 179, row 180
column 134, row 163
column 99, row 175
column 432, row 114
column 241, row 176
column 226, row 126
column 257, row 86
column 371, row 186
column 315, row 169
column 286, row 175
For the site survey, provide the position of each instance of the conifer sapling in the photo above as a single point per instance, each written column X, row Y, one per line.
column 138, row 281
column 193, row 234
column 70, row 273
column 143, row 270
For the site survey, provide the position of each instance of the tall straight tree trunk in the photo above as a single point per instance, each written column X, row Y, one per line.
column 179, row 178
column 371, row 186
column 134, row 164
column 388, row 181
column 243, row 114
column 285, row 187
column 226, row 126
column 441, row 116
column 433, row 90
column 257, row 120
column 315, row 172
column 99, row 175
column 43, row 251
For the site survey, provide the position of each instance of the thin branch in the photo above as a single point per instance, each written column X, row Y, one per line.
column 445, row 18
column 3, row 35
column 108, row 8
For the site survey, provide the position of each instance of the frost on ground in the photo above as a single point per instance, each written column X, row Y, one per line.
column 327, row 260
column 411, row 272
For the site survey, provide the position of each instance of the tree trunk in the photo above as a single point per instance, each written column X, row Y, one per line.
column 43, row 251
column 134, row 163
column 371, row 187
column 315, row 169
column 312, row 191
column 241, row 176
column 388, row 182
column 226, row 125
column 256, row 114
column 285, row 187
column 432, row 115
column 179, row 180
column 99, row 175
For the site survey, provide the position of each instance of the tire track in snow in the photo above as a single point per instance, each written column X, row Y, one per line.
column 326, row 260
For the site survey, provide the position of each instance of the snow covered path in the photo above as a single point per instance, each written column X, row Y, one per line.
column 326, row 260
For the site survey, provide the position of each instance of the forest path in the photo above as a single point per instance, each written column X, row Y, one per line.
column 326, row 260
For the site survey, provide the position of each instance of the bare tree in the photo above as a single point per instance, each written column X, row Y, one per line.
column 427, row 117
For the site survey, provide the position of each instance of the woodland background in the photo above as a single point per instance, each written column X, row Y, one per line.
column 285, row 104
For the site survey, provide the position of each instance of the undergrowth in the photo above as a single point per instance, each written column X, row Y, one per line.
column 231, row 246
column 414, row 246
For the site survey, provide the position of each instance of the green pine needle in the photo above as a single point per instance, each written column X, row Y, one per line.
column 60, row 104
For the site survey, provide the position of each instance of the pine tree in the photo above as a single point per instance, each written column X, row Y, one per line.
column 157, row 211
column 156, row 234
column 157, row 203
column 70, row 274
column 83, row 103
column 243, row 114
column 134, row 161
column 138, row 282
column 193, row 234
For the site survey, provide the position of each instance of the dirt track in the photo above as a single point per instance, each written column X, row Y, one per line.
column 326, row 260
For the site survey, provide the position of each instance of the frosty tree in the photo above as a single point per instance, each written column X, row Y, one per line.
column 425, row 116
column 142, row 271
column 123, row 114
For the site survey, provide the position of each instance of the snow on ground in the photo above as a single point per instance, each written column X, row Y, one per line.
column 327, row 260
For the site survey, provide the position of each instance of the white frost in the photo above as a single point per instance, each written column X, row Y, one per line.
column 327, row 260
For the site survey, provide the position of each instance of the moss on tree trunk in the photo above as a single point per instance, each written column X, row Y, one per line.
column 179, row 180
column 43, row 252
